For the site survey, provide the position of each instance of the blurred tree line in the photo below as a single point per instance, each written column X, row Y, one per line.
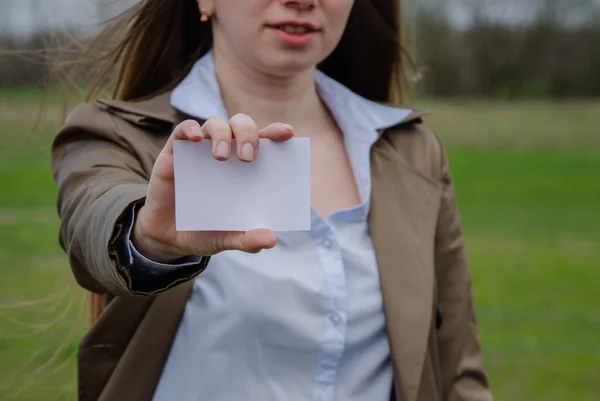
column 491, row 48
column 22, row 60
column 505, row 49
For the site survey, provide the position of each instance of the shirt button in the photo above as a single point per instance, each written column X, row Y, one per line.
column 336, row 318
column 327, row 243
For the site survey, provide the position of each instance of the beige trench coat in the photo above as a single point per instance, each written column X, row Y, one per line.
column 102, row 160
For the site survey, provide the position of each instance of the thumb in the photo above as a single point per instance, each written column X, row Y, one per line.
column 252, row 241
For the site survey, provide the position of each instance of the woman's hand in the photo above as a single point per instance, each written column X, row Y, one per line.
column 154, row 233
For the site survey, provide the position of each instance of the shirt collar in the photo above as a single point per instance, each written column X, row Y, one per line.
column 199, row 95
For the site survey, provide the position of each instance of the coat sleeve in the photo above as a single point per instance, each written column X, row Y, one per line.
column 100, row 176
column 461, row 361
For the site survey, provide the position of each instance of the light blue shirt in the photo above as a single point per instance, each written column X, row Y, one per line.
column 304, row 320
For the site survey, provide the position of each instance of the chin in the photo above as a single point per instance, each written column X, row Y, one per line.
column 287, row 63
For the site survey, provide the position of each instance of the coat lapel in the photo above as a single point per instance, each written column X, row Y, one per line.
column 150, row 113
column 402, row 220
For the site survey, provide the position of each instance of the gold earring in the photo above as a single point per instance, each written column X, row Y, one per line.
column 205, row 14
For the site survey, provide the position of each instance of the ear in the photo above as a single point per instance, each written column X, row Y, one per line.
column 206, row 5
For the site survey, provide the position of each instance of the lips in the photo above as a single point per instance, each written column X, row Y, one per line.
column 294, row 33
column 294, row 27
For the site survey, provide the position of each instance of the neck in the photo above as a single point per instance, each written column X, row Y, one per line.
column 267, row 98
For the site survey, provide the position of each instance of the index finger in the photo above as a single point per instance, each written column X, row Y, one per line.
column 219, row 131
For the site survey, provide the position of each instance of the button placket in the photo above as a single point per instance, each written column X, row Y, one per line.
column 330, row 257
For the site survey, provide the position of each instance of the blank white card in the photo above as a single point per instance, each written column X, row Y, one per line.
column 271, row 192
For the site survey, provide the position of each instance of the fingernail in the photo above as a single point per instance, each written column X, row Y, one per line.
column 247, row 152
column 196, row 131
column 223, row 149
column 287, row 127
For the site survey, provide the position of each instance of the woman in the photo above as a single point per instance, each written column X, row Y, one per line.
column 373, row 303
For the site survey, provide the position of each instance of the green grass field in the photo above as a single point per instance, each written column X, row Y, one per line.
column 528, row 183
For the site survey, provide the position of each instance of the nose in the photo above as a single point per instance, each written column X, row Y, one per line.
column 301, row 5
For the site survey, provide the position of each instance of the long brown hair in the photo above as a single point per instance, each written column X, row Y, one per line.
column 150, row 47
